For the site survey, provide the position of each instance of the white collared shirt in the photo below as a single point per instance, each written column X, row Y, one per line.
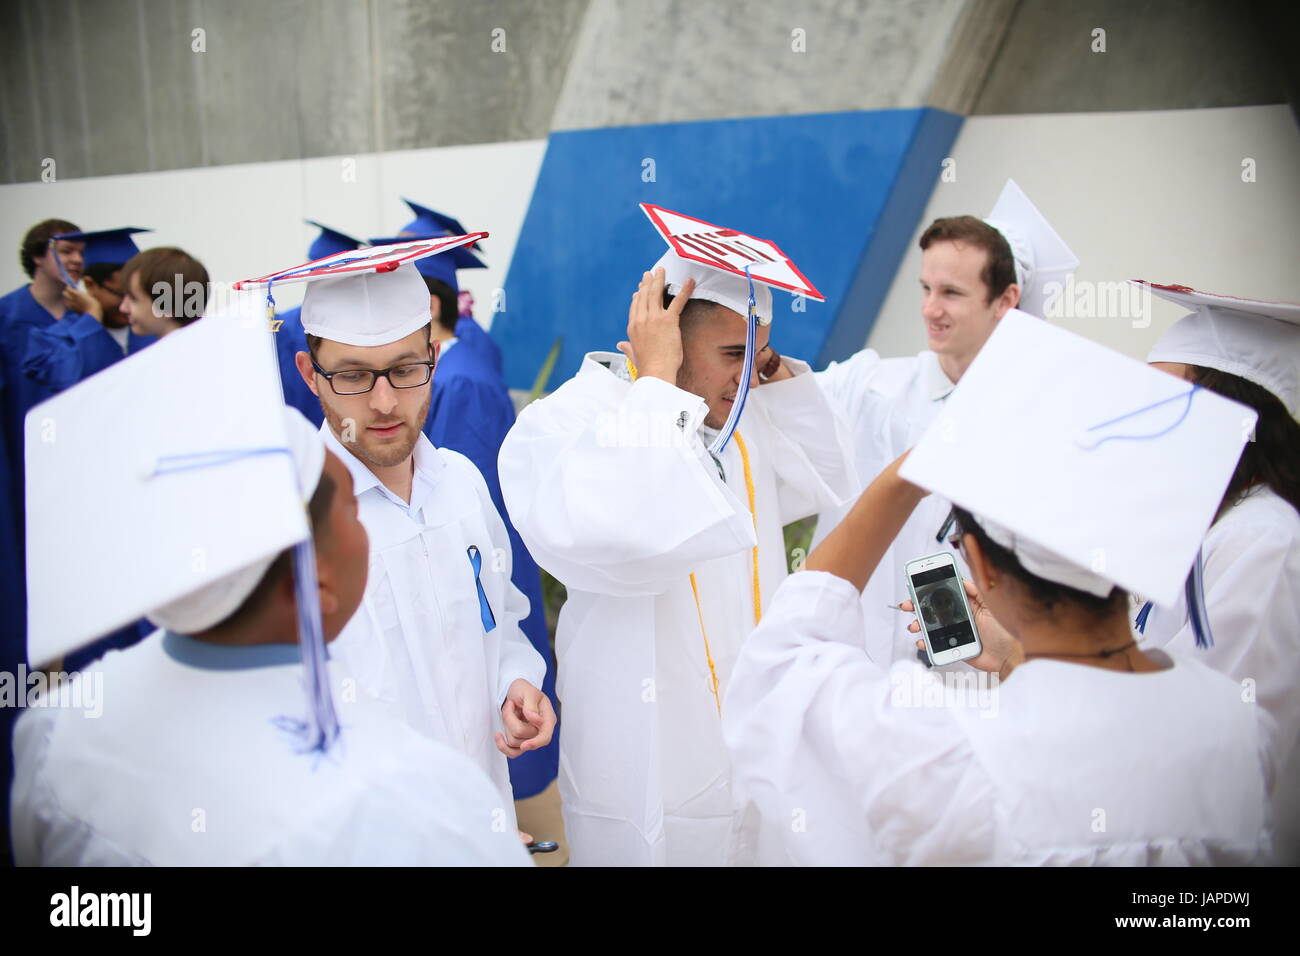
column 420, row 641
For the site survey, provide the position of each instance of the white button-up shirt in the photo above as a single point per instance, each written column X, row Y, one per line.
column 421, row 639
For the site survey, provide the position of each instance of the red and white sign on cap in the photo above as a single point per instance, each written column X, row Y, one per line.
column 729, row 250
column 370, row 259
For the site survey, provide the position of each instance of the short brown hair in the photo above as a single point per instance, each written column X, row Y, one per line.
column 37, row 242
column 183, row 279
column 999, row 266
column 314, row 341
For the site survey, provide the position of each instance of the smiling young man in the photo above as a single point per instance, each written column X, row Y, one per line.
column 165, row 289
column 438, row 632
column 972, row 272
column 669, row 552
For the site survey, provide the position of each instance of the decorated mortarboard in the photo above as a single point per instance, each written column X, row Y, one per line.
column 1250, row 338
column 208, row 487
column 443, row 266
column 1041, row 255
column 726, row 264
column 367, row 297
column 330, row 242
column 1095, row 469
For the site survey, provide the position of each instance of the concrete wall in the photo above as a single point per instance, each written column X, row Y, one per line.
column 1156, row 196
column 103, row 87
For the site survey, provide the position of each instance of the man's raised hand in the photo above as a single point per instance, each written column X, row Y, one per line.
column 655, row 333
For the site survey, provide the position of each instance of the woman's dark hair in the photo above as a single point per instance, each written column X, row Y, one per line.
column 1272, row 456
column 1046, row 593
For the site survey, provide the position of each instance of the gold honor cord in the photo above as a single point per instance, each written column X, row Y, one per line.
column 695, row 587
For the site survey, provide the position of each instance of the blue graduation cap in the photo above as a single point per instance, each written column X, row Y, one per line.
column 329, row 242
column 113, row 246
column 430, row 222
column 444, row 265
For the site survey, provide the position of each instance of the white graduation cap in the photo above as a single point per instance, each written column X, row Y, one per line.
column 1255, row 340
column 365, row 297
column 733, row 269
column 1093, row 468
column 164, row 487
column 1041, row 255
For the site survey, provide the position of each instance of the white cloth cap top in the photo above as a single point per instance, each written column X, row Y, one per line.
column 173, row 477
column 1040, row 254
column 1095, row 469
column 714, row 285
column 1255, row 340
column 214, row 602
column 367, row 308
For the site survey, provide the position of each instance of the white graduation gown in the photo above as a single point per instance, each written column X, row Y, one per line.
column 1252, row 596
column 1065, row 765
column 186, row 766
column 888, row 404
column 419, row 641
column 613, row 490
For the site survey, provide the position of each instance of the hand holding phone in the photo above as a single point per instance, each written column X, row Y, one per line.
column 939, row 599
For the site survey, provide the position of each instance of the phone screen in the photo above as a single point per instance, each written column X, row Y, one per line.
column 940, row 603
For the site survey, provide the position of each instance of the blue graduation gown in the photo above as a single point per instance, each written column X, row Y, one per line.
column 289, row 340
column 43, row 357
column 470, row 333
column 470, row 412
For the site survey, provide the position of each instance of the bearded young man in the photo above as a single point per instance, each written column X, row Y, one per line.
column 438, row 634
column 669, row 553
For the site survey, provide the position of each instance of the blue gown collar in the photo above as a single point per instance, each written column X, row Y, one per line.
column 222, row 657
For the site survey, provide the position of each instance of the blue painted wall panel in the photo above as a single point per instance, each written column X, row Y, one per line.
column 841, row 193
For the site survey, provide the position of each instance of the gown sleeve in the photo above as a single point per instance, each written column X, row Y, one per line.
column 834, row 751
column 812, row 448
column 612, row 490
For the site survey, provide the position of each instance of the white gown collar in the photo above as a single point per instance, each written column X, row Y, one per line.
column 937, row 384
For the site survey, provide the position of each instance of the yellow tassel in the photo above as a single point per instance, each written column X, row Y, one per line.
column 695, row 587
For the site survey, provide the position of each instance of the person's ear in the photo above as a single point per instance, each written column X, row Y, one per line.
column 1008, row 300
column 91, row 284
column 302, row 362
column 327, row 584
column 986, row 578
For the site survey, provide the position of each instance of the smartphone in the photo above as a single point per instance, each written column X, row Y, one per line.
column 941, row 607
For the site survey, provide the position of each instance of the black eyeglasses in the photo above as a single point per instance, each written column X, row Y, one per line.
column 358, row 381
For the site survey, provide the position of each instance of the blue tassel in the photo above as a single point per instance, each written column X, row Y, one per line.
column 1143, row 614
column 1196, row 611
column 742, row 393
column 484, row 608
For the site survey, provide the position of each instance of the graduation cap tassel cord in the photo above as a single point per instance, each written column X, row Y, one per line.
column 1188, row 395
column 322, row 727
column 742, row 393
column 1196, row 610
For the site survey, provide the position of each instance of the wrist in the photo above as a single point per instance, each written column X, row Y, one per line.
column 659, row 371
